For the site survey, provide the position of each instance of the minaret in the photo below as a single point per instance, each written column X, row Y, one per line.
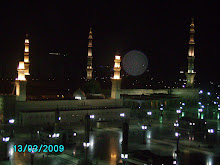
column 190, row 75
column 89, row 63
column 116, row 80
column 21, row 82
column 26, row 55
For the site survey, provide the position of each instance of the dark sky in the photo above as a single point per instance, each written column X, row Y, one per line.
column 160, row 29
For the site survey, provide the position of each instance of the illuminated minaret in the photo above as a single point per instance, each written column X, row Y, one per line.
column 21, row 82
column 89, row 63
column 116, row 80
column 190, row 75
column 26, row 55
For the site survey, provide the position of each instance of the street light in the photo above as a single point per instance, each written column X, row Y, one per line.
column 5, row 139
column 208, row 93
column 86, row 144
column 122, row 114
column 124, row 157
column 178, row 111
column 177, row 142
column 11, row 121
column 211, row 131
column 200, row 92
column 176, row 124
column 149, row 113
column 92, row 116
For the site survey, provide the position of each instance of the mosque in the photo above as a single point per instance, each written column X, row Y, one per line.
column 17, row 107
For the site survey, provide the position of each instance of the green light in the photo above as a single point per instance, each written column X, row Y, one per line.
column 161, row 119
column 198, row 115
column 218, row 117
column 183, row 114
column 202, row 116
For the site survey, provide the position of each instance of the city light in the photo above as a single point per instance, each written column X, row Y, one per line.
column 210, row 130
column 122, row 114
column 178, row 111
column 199, row 103
column 5, row 139
column 11, row 121
column 183, row 103
column 149, row 113
column 176, row 124
column 124, row 156
column 177, row 134
column 55, row 135
column 144, row 127
column 92, row 116
column 74, row 134
column 200, row 110
column 200, row 92
column 59, row 118
column 161, row 108
column 208, row 93
column 86, row 144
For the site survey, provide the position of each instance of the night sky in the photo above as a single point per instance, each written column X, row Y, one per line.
column 160, row 29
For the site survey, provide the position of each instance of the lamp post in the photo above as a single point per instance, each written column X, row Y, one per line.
column 124, row 157
column 11, row 122
column 177, row 141
column 5, row 146
column 200, row 113
column 149, row 113
column 144, row 128
column 178, row 113
column 161, row 110
column 92, row 121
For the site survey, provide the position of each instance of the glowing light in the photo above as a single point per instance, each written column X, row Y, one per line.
column 55, row 135
column 74, row 134
column 26, row 41
column 208, row 93
column 78, row 98
column 177, row 134
column 86, row 144
column 11, row 121
column 122, row 114
column 178, row 111
column 5, row 139
column 200, row 92
column 210, row 130
column 149, row 113
column 144, row 127
column 92, row 116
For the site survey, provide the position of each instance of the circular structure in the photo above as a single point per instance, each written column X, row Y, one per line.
column 135, row 63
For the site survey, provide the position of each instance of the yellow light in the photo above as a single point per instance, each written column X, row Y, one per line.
column 26, row 48
column 21, row 65
column 27, row 41
column 117, row 57
column 26, row 59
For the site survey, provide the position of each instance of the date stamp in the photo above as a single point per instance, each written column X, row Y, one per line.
column 35, row 148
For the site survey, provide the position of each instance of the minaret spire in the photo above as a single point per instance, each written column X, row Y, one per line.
column 26, row 55
column 190, row 75
column 116, row 80
column 89, row 63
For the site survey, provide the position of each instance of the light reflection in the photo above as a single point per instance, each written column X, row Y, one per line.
column 209, row 161
column 148, row 134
